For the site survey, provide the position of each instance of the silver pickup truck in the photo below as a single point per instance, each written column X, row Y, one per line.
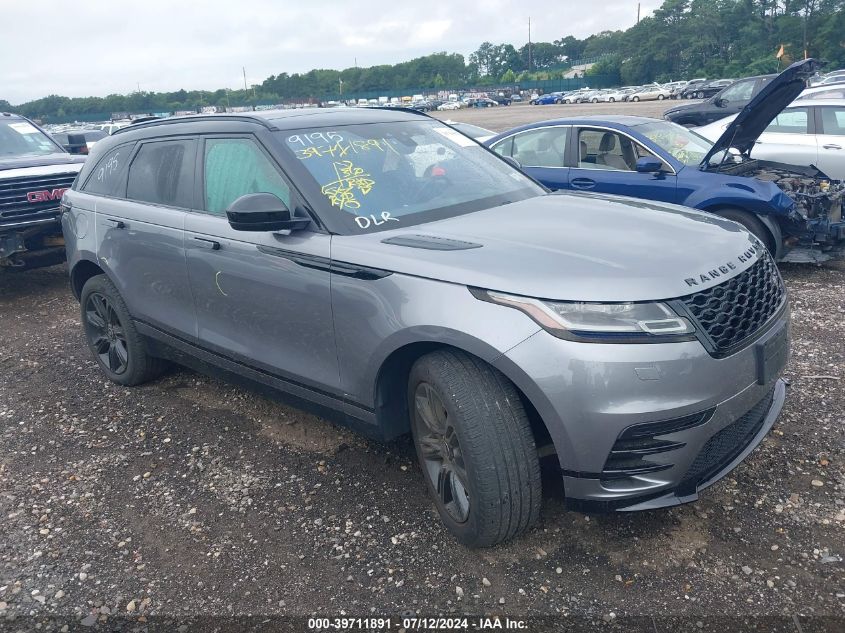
column 34, row 173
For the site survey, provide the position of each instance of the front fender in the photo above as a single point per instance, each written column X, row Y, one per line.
column 759, row 197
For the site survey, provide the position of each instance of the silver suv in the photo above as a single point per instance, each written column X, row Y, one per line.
column 386, row 269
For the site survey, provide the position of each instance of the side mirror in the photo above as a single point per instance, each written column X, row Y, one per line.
column 510, row 160
column 262, row 212
column 649, row 165
column 720, row 102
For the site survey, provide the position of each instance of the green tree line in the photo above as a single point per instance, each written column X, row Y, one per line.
column 682, row 39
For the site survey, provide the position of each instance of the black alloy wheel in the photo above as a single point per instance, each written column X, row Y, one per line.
column 106, row 333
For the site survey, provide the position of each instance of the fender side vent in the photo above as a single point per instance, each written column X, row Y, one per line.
column 430, row 242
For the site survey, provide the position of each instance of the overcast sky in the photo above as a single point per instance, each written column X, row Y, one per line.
column 85, row 48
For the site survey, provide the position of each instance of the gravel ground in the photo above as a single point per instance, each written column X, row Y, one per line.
column 188, row 497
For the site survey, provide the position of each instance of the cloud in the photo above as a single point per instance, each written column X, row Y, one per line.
column 204, row 44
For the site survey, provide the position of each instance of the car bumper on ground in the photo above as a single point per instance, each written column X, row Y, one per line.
column 644, row 426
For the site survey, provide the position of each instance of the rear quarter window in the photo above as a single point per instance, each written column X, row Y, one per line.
column 162, row 173
column 108, row 177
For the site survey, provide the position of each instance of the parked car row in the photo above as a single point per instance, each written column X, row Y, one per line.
column 692, row 89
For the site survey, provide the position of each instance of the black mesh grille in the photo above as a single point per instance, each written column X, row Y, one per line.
column 725, row 445
column 739, row 307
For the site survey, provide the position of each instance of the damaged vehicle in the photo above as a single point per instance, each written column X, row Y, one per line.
column 795, row 211
column 35, row 171
column 384, row 269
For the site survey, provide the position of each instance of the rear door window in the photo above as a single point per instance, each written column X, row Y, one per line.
column 235, row 167
column 162, row 173
column 791, row 121
column 543, row 147
column 833, row 120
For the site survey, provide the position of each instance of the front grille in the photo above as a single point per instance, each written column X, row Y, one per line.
column 14, row 204
column 724, row 446
column 736, row 309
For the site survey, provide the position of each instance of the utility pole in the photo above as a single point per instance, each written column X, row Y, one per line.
column 244, row 69
column 806, row 12
column 638, row 12
column 340, row 85
column 529, row 43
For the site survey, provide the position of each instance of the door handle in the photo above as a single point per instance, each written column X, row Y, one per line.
column 583, row 183
column 211, row 244
column 832, row 146
column 118, row 224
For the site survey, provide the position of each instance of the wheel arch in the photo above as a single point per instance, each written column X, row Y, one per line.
column 82, row 271
column 773, row 228
column 391, row 388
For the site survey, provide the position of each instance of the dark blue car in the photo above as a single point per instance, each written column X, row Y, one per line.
column 658, row 160
column 549, row 99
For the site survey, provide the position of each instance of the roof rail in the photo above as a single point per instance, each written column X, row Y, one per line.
column 199, row 117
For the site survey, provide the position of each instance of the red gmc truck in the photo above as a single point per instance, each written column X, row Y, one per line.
column 34, row 173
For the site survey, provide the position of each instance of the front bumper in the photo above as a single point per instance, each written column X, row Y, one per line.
column 590, row 496
column 708, row 413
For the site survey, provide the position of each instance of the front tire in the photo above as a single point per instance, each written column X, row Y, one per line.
column 117, row 347
column 660, row 97
column 475, row 447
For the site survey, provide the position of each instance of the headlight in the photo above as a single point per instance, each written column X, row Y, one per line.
column 599, row 322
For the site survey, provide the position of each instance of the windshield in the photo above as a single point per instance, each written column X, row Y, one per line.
column 685, row 146
column 22, row 138
column 387, row 175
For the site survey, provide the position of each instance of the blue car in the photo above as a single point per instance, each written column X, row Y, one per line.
column 549, row 99
column 795, row 211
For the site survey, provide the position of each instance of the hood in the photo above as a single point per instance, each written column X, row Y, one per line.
column 59, row 158
column 566, row 246
column 755, row 117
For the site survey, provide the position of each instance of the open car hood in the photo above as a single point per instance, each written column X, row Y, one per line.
column 755, row 117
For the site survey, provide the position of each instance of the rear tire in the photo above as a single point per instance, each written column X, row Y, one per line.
column 111, row 335
column 754, row 225
column 475, row 447
column 635, row 98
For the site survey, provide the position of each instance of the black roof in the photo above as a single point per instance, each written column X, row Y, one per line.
column 288, row 119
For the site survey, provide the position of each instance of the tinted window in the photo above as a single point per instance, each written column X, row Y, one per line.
column 235, row 167
column 740, row 91
column 163, row 173
column 833, row 121
column 792, row 121
column 543, row 147
column 108, row 177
